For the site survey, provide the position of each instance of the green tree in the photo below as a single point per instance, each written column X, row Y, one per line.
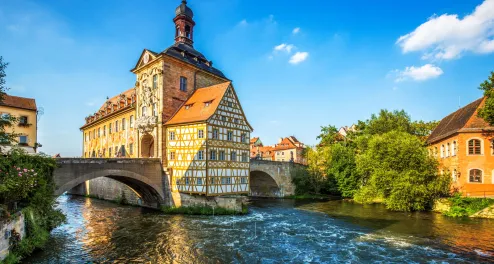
column 423, row 129
column 329, row 135
column 487, row 111
column 386, row 121
column 397, row 169
column 343, row 168
column 5, row 121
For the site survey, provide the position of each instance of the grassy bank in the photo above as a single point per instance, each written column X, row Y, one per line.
column 466, row 206
column 202, row 210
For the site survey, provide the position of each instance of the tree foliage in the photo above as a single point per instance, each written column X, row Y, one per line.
column 487, row 111
column 385, row 159
column 5, row 122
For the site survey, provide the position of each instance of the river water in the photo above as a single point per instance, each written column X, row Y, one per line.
column 274, row 231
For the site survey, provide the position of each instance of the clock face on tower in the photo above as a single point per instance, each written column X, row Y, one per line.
column 146, row 58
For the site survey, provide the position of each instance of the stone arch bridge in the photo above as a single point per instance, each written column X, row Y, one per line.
column 148, row 178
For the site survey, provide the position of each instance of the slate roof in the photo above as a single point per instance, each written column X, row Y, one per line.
column 454, row 122
column 188, row 54
column 19, row 102
column 194, row 109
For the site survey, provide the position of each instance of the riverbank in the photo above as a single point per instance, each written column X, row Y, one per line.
column 458, row 206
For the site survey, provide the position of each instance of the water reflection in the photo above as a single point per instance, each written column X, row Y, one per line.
column 273, row 232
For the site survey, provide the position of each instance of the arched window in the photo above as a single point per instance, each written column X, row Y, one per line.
column 187, row 31
column 453, row 150
column 454, row 175
column 475, row 175
column 474, row 147
column 447, row 150
column 442, row 151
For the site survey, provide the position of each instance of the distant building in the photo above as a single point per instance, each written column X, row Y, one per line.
column 463, row 145
column 26, row 111
column 287, row 149
column 344, row 130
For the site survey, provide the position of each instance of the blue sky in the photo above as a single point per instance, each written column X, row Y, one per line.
column 295, row 65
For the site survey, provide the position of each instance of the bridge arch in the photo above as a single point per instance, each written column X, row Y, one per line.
column 263, row 184
column 144, row 176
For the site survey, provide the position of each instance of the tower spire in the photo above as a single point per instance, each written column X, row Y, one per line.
column 184, row 24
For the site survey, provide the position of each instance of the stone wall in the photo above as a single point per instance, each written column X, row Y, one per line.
column 227, row 202
column 107, row 189
column 6, row 228
column 280, row 172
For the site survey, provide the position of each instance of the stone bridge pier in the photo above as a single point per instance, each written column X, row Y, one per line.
column 271, row 178
column 144, row 176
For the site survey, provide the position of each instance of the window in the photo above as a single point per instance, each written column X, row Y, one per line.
column 104, row 130
column 155, row 81
column 222, row 155
column 454, row 175
column 116, row 126
column 229, row 136
column 447, row 150
column 99, row 132
column 215, row 133
column 226, row 180
column 200, row 133
column 243, row 138
column 123, row 123
column 172, row 155
column 283, row 153
column 85, row 137
column 187, row 107
column 208, row 103
column 22, row 139
column 453, row 149
column 244, row 157
column 435, row 151
column 212, row 155
column 109, row 152
column 213, row 180
column 186, row 181
column 475, row 175
column 131, row 121
column 243, row 180
column 5, row 116
column 23, row 120
column 172, row 135
column 230, row 104
column 200, row 155
column 155, row 110
column 109, row 128
column 223, row 118
column 144, row 111
column 131, row 148
column 199, row 181
column 235, row 120
column 233, row 156
column 183, row 84
column 442, row 151
column 474, row 147
column 187, row 31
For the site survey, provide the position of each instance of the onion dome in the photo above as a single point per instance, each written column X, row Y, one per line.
column 183, row 9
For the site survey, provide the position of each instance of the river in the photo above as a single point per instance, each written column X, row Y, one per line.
column 274, row 231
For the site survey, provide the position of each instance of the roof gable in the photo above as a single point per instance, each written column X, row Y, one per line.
column 201, row 105
column 461, row 118
column 145, row 58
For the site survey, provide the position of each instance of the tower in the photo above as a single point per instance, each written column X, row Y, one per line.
column 184, row 24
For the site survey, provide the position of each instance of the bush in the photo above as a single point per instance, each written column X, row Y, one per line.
column 466, row 206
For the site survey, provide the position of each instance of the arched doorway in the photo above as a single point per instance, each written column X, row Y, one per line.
column 263, row 185
column 147, row 146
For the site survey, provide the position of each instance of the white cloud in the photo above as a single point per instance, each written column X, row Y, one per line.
column 428, row 71
column 284, row 47
column 243, row 23
column 448, row 36
column 298, row 57
column 296, row 30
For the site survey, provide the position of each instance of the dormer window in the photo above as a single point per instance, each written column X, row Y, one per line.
column 187, row 107
column 208, row 103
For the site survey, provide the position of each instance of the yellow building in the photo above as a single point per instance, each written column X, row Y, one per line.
column 208, row 143
column 24, row 109
column 181, row 110
column 110, row 131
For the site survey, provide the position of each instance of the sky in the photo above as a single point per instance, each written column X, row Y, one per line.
column 296, row 66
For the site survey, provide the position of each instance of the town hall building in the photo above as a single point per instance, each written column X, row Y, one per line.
column 181, row 110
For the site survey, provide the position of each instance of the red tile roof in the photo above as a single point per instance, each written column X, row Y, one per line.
column 19, row 102
column 194, row 109
column 457, row 120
